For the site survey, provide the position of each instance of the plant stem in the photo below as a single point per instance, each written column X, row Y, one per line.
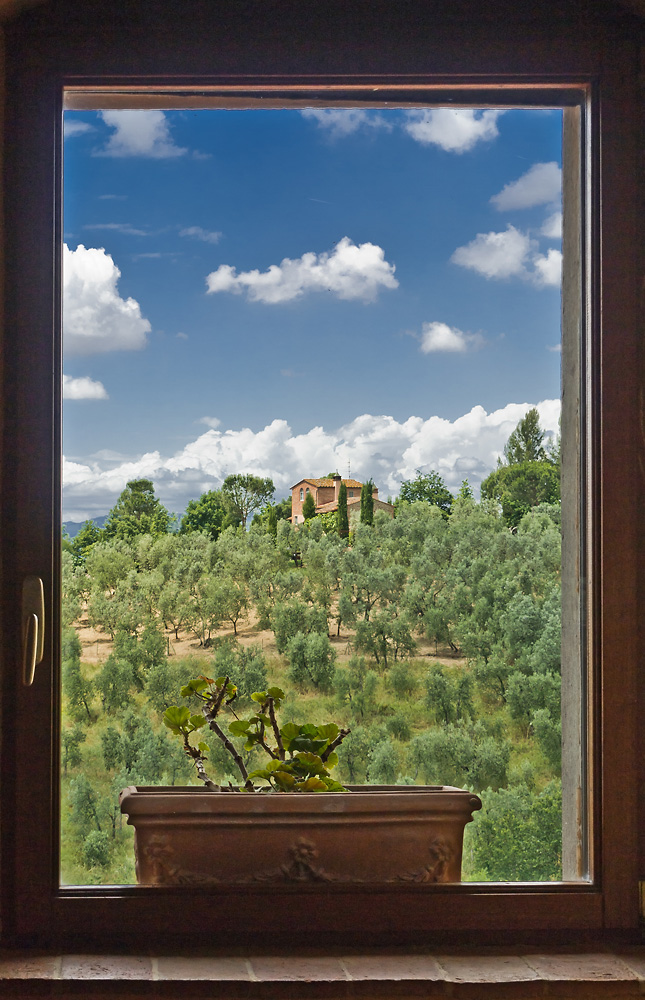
column 276, row 730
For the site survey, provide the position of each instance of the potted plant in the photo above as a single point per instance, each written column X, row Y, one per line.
column 289, row 821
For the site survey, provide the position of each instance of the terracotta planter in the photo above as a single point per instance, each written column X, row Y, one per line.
column 372, row 834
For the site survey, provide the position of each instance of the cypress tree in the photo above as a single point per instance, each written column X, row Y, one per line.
column 309, row 507
column 367, row 503
column 342, row 517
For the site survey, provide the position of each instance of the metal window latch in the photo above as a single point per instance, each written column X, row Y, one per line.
column 33, row 627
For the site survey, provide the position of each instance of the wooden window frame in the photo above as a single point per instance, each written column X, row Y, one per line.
column 272, row 52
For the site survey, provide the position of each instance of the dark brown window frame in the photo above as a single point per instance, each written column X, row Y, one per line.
column 340, row 51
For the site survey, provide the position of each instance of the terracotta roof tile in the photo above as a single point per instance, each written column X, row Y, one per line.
column 352, row 483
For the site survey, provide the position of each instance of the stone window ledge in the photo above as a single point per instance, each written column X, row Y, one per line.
column 477, row 974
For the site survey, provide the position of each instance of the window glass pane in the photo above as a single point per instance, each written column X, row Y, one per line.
column 280, row 318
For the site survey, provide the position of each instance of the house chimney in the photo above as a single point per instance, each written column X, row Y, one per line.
column 336, row 481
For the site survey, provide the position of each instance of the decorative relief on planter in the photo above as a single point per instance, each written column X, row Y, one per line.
column 435, row 871
column 301, row 866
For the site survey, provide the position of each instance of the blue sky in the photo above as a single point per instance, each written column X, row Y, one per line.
column 288, row 292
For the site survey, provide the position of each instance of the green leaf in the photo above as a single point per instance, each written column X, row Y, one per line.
column 332, row 760
column 276, row 693
column 204, row 747
column 329, row 732
column 194, row 687
column 314, row 784
column 334, row 786
column 309, row 730
column 176, row 718
column 289, row 730
column 259, row 696
column 307, row 745
column 239, row 727
column 197, row 721
column 285, row 780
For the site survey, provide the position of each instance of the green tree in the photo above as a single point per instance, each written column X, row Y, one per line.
column 521, row 486
column 96, row 849
column 78, row 689
column 460, row 754
column 383, row 763
column 207, row 514
column 311, row 660
column 137, row 512
column 367, row 502
column 525, row 442
column 428, row 487
column 309, row 507
column 292, row 616
column 114, row 684
column 518, row 834
column 342, row 517
column 244, row 493
column 88, row 534
column 71, row 739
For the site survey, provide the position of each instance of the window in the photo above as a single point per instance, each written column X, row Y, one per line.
column 302, row 495
column 524, row 69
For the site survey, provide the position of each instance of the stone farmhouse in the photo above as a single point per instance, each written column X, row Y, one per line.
column 325, row 493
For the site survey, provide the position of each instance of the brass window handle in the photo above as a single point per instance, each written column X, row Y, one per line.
column 33, row 627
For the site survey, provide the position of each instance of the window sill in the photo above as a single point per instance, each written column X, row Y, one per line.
column 468, row 973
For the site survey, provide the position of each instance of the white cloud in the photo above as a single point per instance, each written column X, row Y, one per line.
column 540, row 185
column 95, row 317
column 552, row 226
column 72, row 127
column 201, row 234
column 555, row 348
column 496, row 255
column 83, row 388
column 117, row 227
column 139, row 133
column 349, row 271
column 548, row 268
column 377, row 446
column 455, row 130
column 439, row 337
column 212, row 422
column 510, row 254
column 339, row 122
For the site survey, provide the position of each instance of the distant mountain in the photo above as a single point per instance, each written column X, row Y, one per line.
column 73, row 527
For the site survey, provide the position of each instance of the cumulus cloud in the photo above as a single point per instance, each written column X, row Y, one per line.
column 552, row 226
column 72, row 127
column 139, row 133
column 95, row 317
column 348, row 271
column 379, row 446
column 548, row 268
column 496, row 255
column 439, row 337
column 510, row 254
column 201, row 234
column 83, row 388
column 455, row 130
column 212, row 422
column 540, row 185
column 340, row 122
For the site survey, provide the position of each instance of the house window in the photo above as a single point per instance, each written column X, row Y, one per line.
column 609, row 258
column 302, row 495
